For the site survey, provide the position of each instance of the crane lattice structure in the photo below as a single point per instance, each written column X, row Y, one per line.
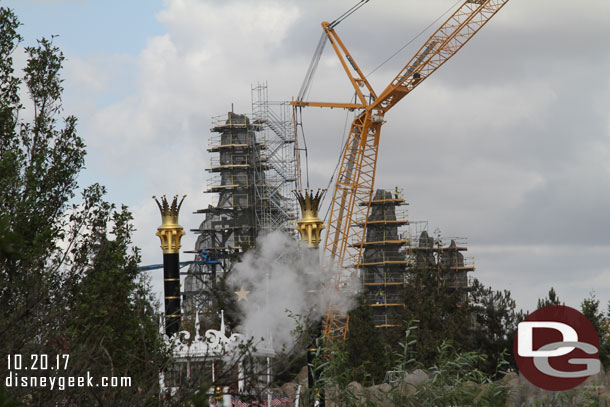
column 356, row 177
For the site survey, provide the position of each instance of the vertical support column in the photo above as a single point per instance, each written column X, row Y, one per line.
column 171, row 286
column 310, row 227
column 170, row 232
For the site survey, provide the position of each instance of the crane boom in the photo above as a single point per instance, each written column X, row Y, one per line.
column 445, row 42
column 356, row 177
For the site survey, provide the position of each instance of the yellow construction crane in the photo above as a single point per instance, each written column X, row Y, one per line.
column 356, row 177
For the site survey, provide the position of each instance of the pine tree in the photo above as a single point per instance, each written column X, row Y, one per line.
column 440, row 312
column 550, row 299
column 495, row 324
column 365, row 347
column 69, row 283
column 590, row 309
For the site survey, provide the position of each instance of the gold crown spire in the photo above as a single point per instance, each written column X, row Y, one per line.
column 310, row 225
column 170, row 232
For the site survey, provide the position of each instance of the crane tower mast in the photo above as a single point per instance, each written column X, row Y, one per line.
column 356, row 177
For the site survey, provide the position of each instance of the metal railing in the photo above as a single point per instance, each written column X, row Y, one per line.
column 230, row 121
column 234, row 201
column 242, row 240
column 456, row 262
column 387, row 277
column 385, row 258
column 229, row 140
column 384, row 320
column 414, row 238
column 383, row 235
column 230, row 182
column 382, row 298
column 230, row 161
column 401, row 214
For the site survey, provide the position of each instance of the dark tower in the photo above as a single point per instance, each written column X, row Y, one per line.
column 383, row 263
column 170, row 232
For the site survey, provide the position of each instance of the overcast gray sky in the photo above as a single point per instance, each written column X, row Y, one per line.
column 507, row 144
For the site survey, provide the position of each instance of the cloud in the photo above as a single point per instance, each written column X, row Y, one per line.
column 152, row 140
column 507, row 143
column 530, row 270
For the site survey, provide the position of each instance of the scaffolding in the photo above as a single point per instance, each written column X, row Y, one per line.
column 274, row 205
column 383, row 263
column 253, row 173
column 396, row 250
column 440, row 255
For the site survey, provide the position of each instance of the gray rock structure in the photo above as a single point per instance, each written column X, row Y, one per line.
column 447, row 262
column 595, row 391
column 383, row 263
column 390, row 256
column 239, row 166
column 230, row 224
column 253, row 171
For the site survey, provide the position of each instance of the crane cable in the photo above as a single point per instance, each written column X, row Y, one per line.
column 413, row 39
column 348, row 13
column 315, row 60
column 313, row 66
column 337, row 21
column 311, row 71
column 310, row 74
column 343, row 145
column 300, row 123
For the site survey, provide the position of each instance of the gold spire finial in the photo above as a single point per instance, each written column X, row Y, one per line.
column 310, row 225
column 170, row 232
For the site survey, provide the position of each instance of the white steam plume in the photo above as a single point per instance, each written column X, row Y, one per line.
column 283, row 277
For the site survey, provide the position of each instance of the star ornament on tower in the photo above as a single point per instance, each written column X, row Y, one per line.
column 242, row 294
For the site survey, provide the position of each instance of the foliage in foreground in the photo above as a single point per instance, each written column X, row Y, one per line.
column 454, row 379
column 69, row 283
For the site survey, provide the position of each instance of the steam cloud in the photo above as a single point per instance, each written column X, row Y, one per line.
column 284, row 277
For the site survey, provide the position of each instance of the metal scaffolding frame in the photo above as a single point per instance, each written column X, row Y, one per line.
column 253, row 171
column 396, row 249
column 275, row 206
column 383, row 264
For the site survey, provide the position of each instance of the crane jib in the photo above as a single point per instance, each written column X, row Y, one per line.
column 347, row 221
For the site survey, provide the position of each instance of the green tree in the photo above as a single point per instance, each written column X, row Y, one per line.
column 69, row 282
column 38, row 169
column 590, row 309
column 113, row 320
column 365, row 348
column 494, row 324
column 453, row 379
column 551, row 299
column 441, row 313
